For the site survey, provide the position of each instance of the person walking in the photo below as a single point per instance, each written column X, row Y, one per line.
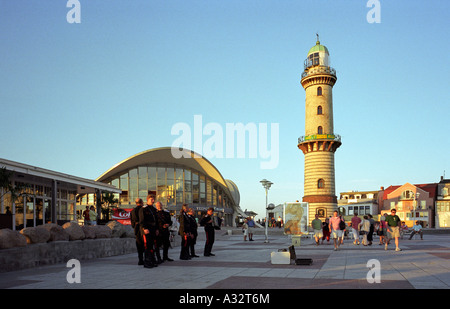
column 316, row 225
column 393, row 229
column 208, row 223
column 336, row 232
column 162, row 239
column 371, row 229
column 185, row 232
column 134, row 218
column 356, row 222
column 245, row 229
column 92, row 216
column 417, row 229
column 87, row 220
column 326, row 230
column 148, row 223
column 279, row 222
column 343, row 227
column 382, row 229
column 251, row 226
column 365, row 228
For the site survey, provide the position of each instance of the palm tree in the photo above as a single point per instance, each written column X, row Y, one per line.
column 108, row 199
column 16, row 190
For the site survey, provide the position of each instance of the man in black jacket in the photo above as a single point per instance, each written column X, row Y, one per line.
column 148, row 223
column 134, row 216
column 185, row 232
column 208, row 222
column 164, row 222
column 193, row 225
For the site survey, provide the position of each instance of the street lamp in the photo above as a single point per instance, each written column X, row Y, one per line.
column 266, row 184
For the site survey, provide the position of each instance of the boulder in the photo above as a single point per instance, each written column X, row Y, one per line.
column 102, row 231
column 11, row 239
column 57, row 232
column 89, row 231
column 117, row 228
column 74, row 230
column 36, row 235
column 129, row 232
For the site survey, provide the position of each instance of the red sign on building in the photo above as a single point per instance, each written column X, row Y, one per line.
column 122, row 215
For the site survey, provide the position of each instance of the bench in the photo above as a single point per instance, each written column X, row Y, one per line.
column 405, row 232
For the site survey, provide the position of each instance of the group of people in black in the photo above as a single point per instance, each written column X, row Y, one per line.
column 151, row 225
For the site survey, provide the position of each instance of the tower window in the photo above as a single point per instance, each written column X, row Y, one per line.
column 320, row 183
column 319, row 110
column 319, row 90
column 316, row 59
column 312, row 60
column 319, row 130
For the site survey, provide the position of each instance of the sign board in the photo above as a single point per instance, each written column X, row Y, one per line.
column 295, row 217
column 122, row 215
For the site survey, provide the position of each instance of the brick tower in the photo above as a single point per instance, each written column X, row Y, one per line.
column 319, row 143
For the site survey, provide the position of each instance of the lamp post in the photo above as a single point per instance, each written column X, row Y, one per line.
column 266, row 184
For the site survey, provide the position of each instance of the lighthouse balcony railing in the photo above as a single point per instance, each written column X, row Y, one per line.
column 315, row 137
column 318, row 69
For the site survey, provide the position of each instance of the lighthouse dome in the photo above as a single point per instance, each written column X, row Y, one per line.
column 318, row 48
column 317, row 55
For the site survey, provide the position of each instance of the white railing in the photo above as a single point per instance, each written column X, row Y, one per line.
column 319, row 69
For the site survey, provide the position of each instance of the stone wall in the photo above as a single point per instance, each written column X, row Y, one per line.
column 50, row 244
column 39, row 254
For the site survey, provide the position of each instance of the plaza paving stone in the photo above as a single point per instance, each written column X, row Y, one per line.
column 239, row 265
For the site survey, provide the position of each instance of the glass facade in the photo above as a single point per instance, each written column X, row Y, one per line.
column 33, row 205
column 173, row 186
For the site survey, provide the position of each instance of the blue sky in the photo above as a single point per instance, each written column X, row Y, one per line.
column 79, row 98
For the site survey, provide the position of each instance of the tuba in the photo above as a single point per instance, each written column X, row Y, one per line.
column 215, row 222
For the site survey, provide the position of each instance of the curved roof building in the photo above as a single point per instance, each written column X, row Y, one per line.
column 191, row 179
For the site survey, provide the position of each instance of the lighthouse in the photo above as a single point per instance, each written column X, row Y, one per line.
column 319, row 142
